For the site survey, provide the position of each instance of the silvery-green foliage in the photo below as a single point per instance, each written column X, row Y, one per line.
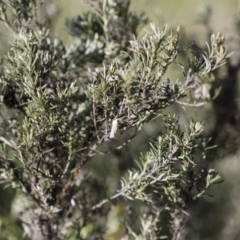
column 67, row 101
column 167, row 179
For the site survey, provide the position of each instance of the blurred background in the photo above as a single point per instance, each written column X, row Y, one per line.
column 211, row 218
column 173, row 12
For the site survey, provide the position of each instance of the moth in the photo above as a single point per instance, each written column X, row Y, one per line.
column 114, row 128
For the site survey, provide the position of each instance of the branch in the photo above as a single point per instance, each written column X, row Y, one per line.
column 201, row 104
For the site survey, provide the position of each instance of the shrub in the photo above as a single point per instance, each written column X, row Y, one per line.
column 65, row 105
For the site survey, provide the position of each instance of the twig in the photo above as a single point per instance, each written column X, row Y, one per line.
column 191, row 104
column 94, row 119
column 106, row 200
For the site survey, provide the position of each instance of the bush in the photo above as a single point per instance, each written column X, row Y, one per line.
column 64, row 106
